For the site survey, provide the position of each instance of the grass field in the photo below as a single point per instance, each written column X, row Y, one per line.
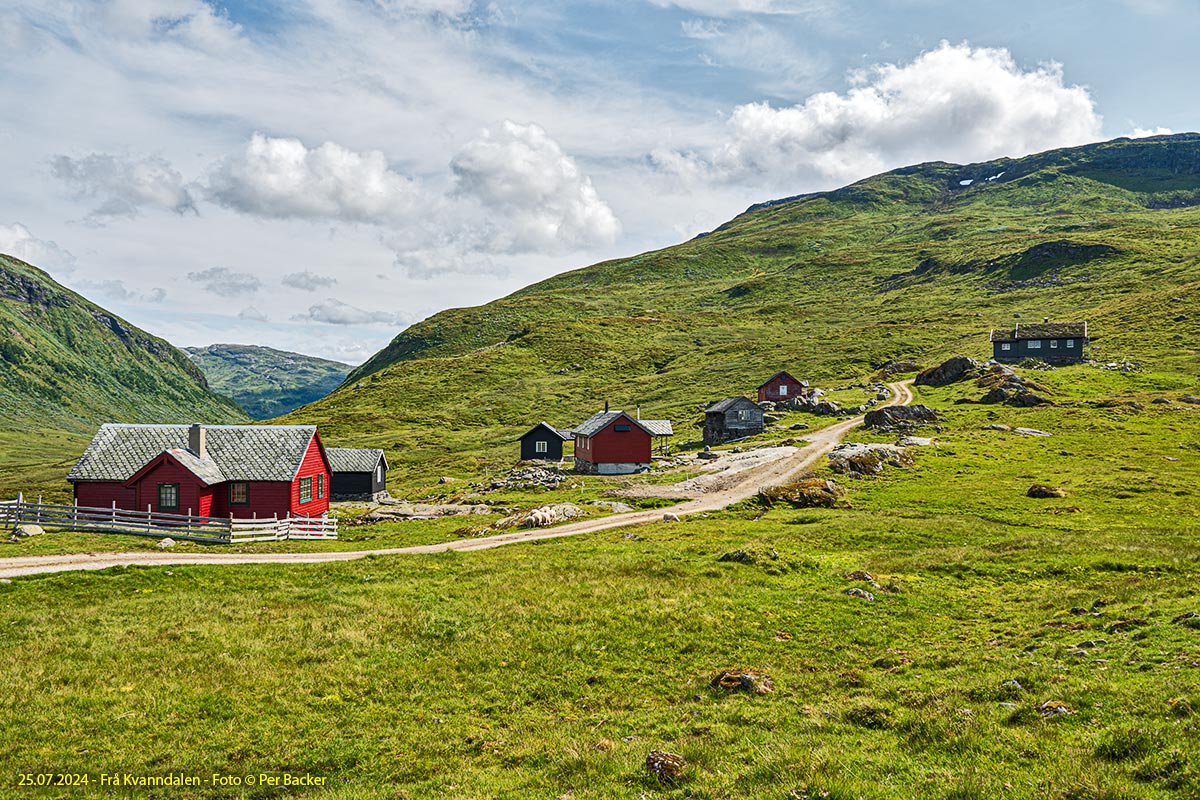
column 553, row 669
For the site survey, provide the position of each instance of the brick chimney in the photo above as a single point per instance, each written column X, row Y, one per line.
column 196, row 443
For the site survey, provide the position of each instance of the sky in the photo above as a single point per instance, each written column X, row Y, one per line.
column 315, row 175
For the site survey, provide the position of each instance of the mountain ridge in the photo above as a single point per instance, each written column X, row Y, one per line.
column 266, row 382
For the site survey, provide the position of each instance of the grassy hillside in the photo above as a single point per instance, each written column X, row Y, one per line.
column 265, row 382
column 67, row 365
column 916, row 263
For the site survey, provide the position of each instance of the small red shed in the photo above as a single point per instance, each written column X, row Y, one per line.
column 780, row 388
column 240, row 471
column 614, row 443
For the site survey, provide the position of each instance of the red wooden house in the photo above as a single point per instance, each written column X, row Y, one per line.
column 240, row 471
column 780, row 388
column 614, row 443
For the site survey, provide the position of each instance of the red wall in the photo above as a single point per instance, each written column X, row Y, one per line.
column 192, row 493
column 101, row 494
column 314, row 464
column 610, row 447
column 770, row 389
column 267, row 498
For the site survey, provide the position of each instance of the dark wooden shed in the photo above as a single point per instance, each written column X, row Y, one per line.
column 732, row 418
column 1052, row 342
column 358, row 474
column 543, row 442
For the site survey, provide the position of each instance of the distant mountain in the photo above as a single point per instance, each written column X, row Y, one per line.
column 266, row 382
column 918, row 263
column 68, row 364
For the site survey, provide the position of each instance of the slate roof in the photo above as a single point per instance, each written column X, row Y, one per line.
column 237, row 452
column 728, row 403
column 203, row 468
column 1041, row 330
column 782, row 372
column 658, row 427
column 565, row 435
column 350, row 459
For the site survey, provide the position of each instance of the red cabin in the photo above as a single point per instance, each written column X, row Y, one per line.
column 780, row 388
column 614, row 443
column 240, row 471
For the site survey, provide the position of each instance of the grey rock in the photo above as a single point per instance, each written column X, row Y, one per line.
column 861, row 593
column 166, row 544
column 1030, row 432
column 997, row 427
column 1191, row 399
column 26, row 530
column 950, row 371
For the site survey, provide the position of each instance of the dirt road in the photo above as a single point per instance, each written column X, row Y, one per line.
column 819, row 443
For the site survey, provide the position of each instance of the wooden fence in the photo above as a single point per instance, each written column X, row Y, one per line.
column 187, row 527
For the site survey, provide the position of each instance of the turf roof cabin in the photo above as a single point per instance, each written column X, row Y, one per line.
column 543, row 442
column 780, row 388
column 358, row 474
column 241, row 471
column 732, row 418
column 1053, row 342
column 614, row 443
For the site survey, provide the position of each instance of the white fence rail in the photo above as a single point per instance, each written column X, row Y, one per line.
column 213, row 530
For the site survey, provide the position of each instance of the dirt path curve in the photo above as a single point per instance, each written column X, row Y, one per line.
column 819, row 443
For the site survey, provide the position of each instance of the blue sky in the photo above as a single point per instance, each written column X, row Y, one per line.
column 316, row 175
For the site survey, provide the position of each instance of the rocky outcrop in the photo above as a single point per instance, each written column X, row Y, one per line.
column 1006, row 387
column 853, row 458
column 950, row 371
column 891, row 417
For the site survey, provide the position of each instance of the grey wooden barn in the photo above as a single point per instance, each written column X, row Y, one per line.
column 357, row 474
column 732, row 418
column 544, row 442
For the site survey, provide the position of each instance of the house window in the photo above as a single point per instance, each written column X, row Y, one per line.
column 1034, row 344
column 622, row 428
column 541, row 447
column 239, row 494
column 783, row 390
column 320, row 485
column 1054, row 344
column 743, row 414
column 379, row 474
column 1070, row 344
column 306, row 490
column 168, row 497
column 1006, row 346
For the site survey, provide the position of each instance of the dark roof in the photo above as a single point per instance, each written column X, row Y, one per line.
column 777, row 374
column 1041, row 330
column 235, row 452
column 559, row 432
column 599, row 421
column 728, row 403
column 349, row 459
column 203, row 468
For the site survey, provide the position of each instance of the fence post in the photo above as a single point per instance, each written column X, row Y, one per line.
column 114, row 516
column 17, row 517
column 39, row 510
column 74, row 513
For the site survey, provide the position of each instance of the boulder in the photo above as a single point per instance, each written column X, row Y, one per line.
column 914, row 441
column 736, row 680
column 1043, row 492
column 1191, row 399
column 1030, row 432
column 948, row 372
column 667, row 767
column 25, row 530
column 867, row 459
column 862, row 594
column 997, row 427
column 166, row 544
column 892, row 416
column 806, row 491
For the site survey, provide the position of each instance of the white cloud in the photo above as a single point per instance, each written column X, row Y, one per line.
column 729, row 8
column 282, row 178
column 308, row 281
column 16, row 240
column 1143, row 133
column 954, row 103
column 192, row 23
column 225, row 282
column 124, row 184
column 113, row 289
column 535, row 194
column 335, row 312
column 252, row 314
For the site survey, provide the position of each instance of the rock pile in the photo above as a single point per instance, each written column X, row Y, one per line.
column 852, row 458
column 950, row 371
column 534, row 476
column 1008, row 388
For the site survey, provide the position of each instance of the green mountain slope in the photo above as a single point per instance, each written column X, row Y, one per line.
column 66, row 364
column 916, row 263
column 266, row 382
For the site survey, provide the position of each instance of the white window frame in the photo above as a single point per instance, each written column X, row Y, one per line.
column 1070, row 344
column 783, row 390
column 541, row 446
column 1033, row 344
column 379, row 473
column 1005, row 346
column 1054, row 344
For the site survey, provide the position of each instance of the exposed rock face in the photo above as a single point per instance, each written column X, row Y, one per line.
column 895, row 416
column 867, row 459
column 807, row 491
column 1008, row 388
column 948, row 372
